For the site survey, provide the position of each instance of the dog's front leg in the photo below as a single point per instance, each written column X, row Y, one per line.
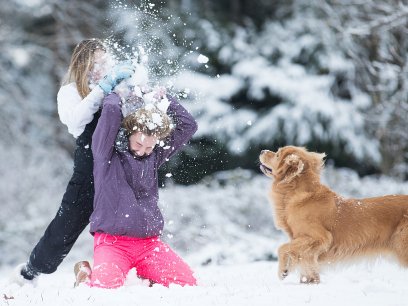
column 287, row 260
column 310, row 248
column 309, row 276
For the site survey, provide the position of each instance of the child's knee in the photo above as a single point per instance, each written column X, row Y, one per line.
column 107, row 275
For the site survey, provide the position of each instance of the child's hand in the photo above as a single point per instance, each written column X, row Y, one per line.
column 119, row 73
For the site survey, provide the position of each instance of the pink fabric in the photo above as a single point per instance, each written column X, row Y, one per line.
column 114, row 256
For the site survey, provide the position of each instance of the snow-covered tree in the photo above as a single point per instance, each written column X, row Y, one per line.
column 373, row 35
column 325, row 74
column 264, row 82
column 36, row 40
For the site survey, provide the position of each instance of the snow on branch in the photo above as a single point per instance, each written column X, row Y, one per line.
column 394, row 20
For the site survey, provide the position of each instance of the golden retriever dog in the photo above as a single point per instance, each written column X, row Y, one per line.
column 324, row 227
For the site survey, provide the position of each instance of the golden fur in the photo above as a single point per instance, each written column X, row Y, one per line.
column 324, row 227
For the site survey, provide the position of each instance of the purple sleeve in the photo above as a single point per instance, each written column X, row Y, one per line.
column 185, row 128
column 103, row 139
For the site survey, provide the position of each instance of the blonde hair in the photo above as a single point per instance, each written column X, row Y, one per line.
column 142, row 121
column 82, row 62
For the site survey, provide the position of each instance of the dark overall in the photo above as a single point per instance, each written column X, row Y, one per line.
column 74, row 212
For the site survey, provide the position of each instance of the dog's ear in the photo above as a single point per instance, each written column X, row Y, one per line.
column 293, row 166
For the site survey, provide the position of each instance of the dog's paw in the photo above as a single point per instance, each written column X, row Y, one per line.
column 282, row 274
column 315, row 279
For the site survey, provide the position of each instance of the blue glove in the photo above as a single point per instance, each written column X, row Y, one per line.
column 119, row 73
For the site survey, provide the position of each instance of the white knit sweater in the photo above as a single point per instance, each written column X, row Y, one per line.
column 76, row 112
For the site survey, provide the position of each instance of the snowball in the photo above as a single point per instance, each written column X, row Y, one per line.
column 149, row 106
column 163, row 105
column 137, row 92
column 157, row 119
column 140, row 77
column 149, row 97
column 202, row 59
column 151, row 126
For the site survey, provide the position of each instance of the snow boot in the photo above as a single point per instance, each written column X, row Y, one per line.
column 82, row 271
column 24, row 274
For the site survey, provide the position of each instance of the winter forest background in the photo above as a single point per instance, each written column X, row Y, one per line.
column 328, row 75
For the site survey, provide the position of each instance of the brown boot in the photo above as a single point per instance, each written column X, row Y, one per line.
column 82, row 271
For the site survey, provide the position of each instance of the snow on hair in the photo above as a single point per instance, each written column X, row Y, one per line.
column 151, row 122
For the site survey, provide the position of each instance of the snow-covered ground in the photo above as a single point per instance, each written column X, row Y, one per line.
column 378, row 283
column 223, row 228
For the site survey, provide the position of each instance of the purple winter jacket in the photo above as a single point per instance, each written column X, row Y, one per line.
column 126, row 188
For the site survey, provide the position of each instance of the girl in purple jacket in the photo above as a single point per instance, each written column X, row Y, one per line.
column 127, row 222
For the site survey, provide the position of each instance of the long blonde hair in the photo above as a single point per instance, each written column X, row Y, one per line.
column 82, row 62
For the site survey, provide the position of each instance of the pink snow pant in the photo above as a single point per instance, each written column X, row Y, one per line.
column 114, row 256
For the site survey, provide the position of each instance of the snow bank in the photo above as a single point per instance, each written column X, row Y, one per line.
column 239, row 285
